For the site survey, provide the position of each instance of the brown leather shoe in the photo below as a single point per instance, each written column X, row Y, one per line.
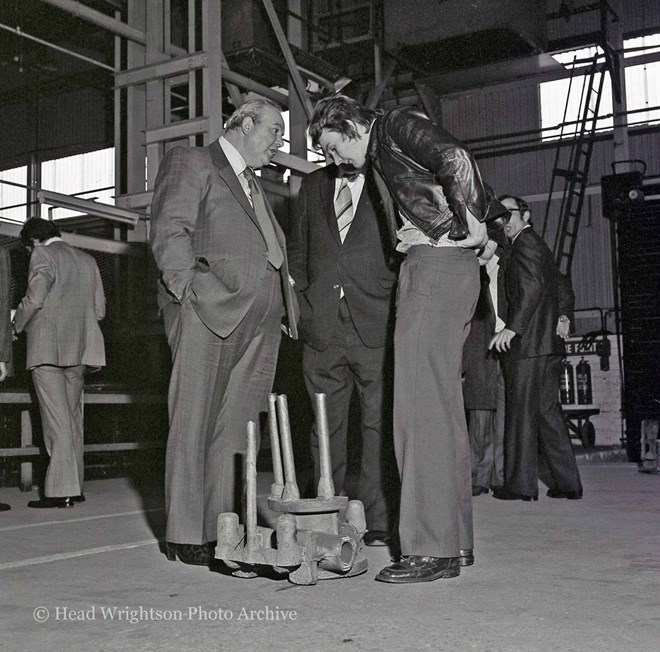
column 413, row 568
column 466, row 557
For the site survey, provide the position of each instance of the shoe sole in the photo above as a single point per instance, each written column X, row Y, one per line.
column 466, row 561
column 447, row 574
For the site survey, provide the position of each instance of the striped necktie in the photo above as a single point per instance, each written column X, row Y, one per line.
column 275, row 257
column 344, row 208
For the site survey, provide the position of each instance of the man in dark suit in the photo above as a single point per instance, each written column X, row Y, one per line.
column 483, row 384
column 539, row 306
column 223, row 291
column 5, row 323
column 345, row 269
column 60, row 313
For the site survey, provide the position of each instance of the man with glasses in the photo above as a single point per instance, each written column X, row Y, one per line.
column 539, row 306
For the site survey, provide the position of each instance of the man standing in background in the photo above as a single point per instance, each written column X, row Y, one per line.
column 60, row 313
column 483, row 383
column 539, row 306
column 5, row 323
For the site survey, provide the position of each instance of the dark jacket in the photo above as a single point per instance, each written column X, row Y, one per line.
column 537, row 294
column 480, row 364
column 5, row 319
column 431, row 176
column 365, row 265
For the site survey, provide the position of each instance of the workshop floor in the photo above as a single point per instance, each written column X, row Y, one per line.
column 552, row 575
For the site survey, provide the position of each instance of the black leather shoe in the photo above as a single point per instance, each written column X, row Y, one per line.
column 191, row 553
column 4, row 507
column 504, row 494
column 477, row 491
column 78, row 499
column 50, row 503
column 570, row 495
column 376, row 538
column 419, row 569
column 466, row 557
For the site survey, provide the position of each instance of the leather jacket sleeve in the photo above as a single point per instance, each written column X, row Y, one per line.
column 431, row 147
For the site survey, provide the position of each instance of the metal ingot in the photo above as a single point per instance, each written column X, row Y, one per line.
column 316, row 538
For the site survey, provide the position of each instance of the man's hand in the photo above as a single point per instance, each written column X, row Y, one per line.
column 502, row 340
column 477, row 233
column 3, row 371
column 563, row 327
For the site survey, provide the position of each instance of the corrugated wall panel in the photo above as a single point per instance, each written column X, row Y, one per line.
column 491, row 111
column 527, row 173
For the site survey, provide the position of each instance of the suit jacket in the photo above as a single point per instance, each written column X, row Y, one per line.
column 480, row 364
column 537, row 293
column 206, row 239
column 62, row 307
column 364, row 265
column 5, row 306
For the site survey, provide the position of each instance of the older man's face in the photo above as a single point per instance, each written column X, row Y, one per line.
column 264, row 138
column 350, row 153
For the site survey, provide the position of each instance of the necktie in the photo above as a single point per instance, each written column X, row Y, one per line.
column 344, row 208
column 275, row 257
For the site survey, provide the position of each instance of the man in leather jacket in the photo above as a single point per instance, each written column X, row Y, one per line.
column 437, row 207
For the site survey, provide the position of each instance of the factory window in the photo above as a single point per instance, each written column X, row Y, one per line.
column 13, row 198
column 643, row 82
column 88, row 176
column 642, row 92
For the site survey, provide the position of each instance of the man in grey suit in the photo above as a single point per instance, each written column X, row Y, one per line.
column 345, row 271
column 60, row 314
column 223, row 290
column 5, row 323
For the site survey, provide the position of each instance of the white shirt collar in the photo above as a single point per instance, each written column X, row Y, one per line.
column 234, row 157
column 53, row 239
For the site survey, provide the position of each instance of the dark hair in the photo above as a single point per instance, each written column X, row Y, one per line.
column 37, row 229
column 336, row 114
column 521, row 204
column 250, row 109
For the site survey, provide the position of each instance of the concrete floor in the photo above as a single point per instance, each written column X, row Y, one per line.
column 553, row 575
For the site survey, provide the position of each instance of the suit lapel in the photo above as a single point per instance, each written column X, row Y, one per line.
column 328, row 201
column 227, row 174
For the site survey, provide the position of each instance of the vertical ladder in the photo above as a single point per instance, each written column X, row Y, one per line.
column 576, row 173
